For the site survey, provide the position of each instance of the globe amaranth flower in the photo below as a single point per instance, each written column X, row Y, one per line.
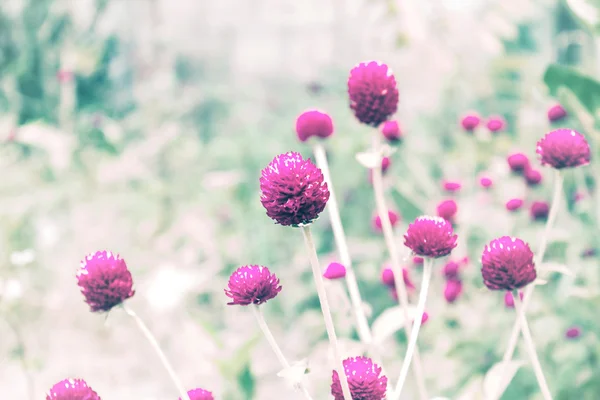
column 485, row 182
column 451, row 186
column 364, row 379
column 252, row 284
column 495, row 123
column 556, row 113
column 199, row 394
column 573, row 332
column 539, row 210
column 72, row 389
column 313, row 123
column 393, row 217
column 293, row 190
column 334, row 271
column 447, row 209
column 373, row 92
column 507, row 264
column 509, row 300
column 430, row 237
column 391, row 131
column 104, row 280
column 563, row 148
column 452, row 290
column 470, row 122
column 514, row 204
column 518, row 162
column 532, row 176
column 387, row 278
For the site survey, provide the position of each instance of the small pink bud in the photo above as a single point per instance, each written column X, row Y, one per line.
column 514, row 204
column 425, row 318
column 391, row 131
column 539, row 210
column 573, row 332
column 451, row 270
column 518, row 162
column 485, row 182
column 335, row 271
column 495, row 123
column 387, row 277
column 394, row 219
column 385, row 164
column 509, row 300
column 532, row 176
column 451, row 186
column 470, row 121
column 313, row 123
column 556, row 113
column 447, row 209
column 452, row 290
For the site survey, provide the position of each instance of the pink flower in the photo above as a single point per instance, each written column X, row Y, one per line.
column 335, row 271
column 72, row 389
column 393, row 216
column 470, row 121
column 200, row 394
column 495, row 123
column 364, row 378
column 509, row 300
column 391, row 131
column 447, row 209
column 451, row 270
column 485, row 182
column 293, row 190
column 514, row 204
column 418, row 260
column 563, row 148
column 556, row 113
column 507, row 264
column 425, row 318
column 532, row 176
column 313, row 123
column 430, row 237
column 104, row 280
column 252, row 284
column 387, row 277
column 452, row 290
column 451, row 186
column 373, row 93
column 539, row 210
column 385, row 164
column 573, row 332
column 518, row 162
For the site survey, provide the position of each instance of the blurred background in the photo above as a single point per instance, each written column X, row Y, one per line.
column 141, row 127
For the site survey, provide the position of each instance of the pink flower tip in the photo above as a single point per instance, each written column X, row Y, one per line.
column 385, row 164
column 334, row 271
column 425, row 318
column 452, row 290
column 485, row 182
column 451, row 186
column 364, row 379
column 447, row 209
column 313, row 123
column 495, row 123
column 373, row 92
column 556, row 113
column 509, row 300
column 252, row 284
column 393, row 216
column 514, row 204
column 507, row 264
column 387, row 277
column 293, row 190
column 418, row 260
column 532, row 176
column 470, row 122
column 104, row 280
column 391, row 131
column 518, row 162
column 539, row 210
column 573, row 332
column 430, row 237
column 563, row 148
column 72, row 389
column 199, row 394
column 451, row 270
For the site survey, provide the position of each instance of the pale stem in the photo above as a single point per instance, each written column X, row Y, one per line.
column 316, row 269
column 161, row 355
column 388, row 234
column 530, row 346
column 340, row 239
column 257, row 311
column 412, row 344
column 514, row 335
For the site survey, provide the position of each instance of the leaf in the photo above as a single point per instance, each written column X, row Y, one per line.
column 368, row 159
column 585, row 89
column 557, row 267
column 390, row 321
column 295, row 373
column 499, row 376
column 247, row 382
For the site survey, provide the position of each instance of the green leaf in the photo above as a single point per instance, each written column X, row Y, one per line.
column 586, row 89
column 247, row 382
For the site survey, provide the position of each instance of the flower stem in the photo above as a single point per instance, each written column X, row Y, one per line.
column 412, row 344
column 388, row 234
column 362, row 325
column 161, row 355
column 530, row 346
column 257, row 311
column 316, row 269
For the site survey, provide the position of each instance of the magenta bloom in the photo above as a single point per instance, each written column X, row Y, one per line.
column 104, row 280
column 532, row 176
column 364, row 378
column 495, row 123
column 373, row 93
column 539, row 210
column 556, row 113
column 470, row 121
column 430, row 237
column 447, row 209
column 200, row 394
column 385, row 164
column 451, row 270
column 514, row 204
column 252, row 284
column 335, row 271
column 391, row 131
column 393, row 216
column 507, row 264
column 518, row 162
column 452, row 290
column 425, row 318
column 573, row 332
column 313, row 123
column 293, row 190
column 564, row 148
column 485, row 182
column 72, row 389
column 509, row 300
column 387, row 277
column 451, row 186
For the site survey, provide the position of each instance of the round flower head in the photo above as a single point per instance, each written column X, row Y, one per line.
column 532, row 176
column 514, row 204
column 485, row 182
column 447, row 209
column 556, row 113
column 364, row 378
column 452, row 290
column 539, row 210
column 573, row 332
column 104, row 280
column 470, row 121
column 293, row 190
column 451, row 186
column 252, row 284
column 518, row 162
column 563, row 148
column 507, row 264
column 200, row 394
column 71, row 389
column 430, row 237
column 387, row 277
column 393, row 216
column 495, row 123
column 391, row 131
column 335, row 271
column 373, row 92
column 313, row 123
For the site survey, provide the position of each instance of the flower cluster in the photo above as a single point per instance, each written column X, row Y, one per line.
column 72, row 389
